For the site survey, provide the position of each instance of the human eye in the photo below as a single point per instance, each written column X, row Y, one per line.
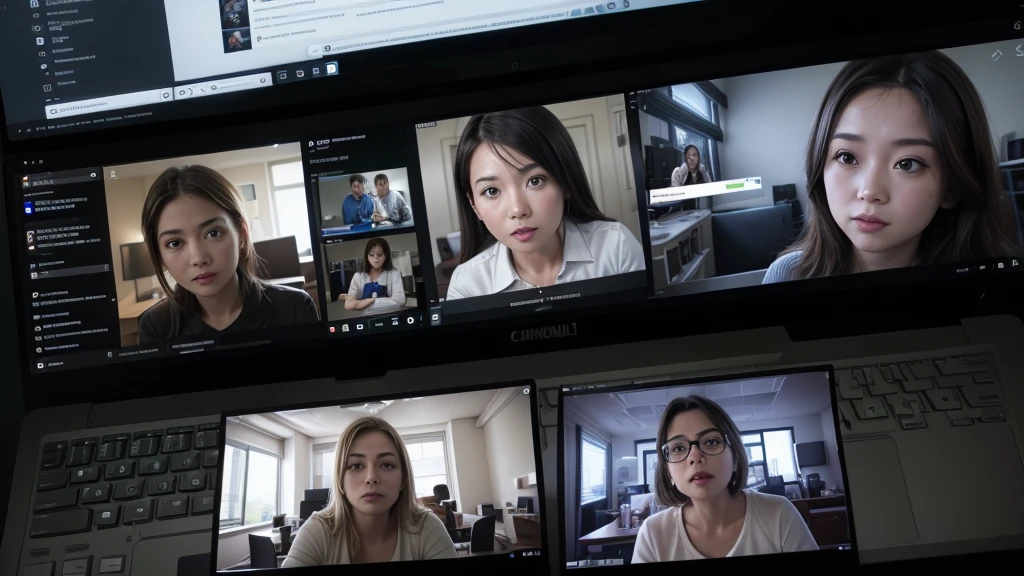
column 489, row 192
column 712, row 442
column 355, row 466
column 215, row 233
column 536, row 181
column 390, row 465
column 173, row 244
column 909, row 165
column 845, row 157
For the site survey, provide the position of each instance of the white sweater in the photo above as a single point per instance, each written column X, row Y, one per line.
column 771, row 525
column 314, row 545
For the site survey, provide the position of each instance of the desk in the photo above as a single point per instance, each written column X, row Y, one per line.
column 610, row 533
column 275, row 536
column 675, row 226
column 128, row 312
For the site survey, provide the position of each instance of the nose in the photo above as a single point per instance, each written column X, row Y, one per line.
column 874, row 186
column 696, row 456
column 198, row 254
column 371, row 475
column 517, row 204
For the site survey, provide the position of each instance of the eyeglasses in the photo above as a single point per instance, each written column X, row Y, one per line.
column 678, row 447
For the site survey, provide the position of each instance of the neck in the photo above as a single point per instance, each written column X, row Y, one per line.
column 543, row 262
column 376, row 272
column 711, row 514
column 383, row 194
column 223, row 307
column 901, row 256
column 372, row 529
column 357, row 196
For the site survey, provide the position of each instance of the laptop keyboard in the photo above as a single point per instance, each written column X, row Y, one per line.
column 98, row 490
column 880, row 398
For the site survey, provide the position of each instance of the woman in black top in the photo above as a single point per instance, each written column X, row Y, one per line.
column 195, row 228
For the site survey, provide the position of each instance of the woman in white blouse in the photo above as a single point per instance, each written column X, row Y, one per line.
column 378, row 288
column 701, row 473
column 526, row 212
column 372, row 514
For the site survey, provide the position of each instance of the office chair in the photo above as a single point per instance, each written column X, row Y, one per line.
column 481, row 537
column 262, row 553
column 525, row 502
column 441, row 493
column 451, row 526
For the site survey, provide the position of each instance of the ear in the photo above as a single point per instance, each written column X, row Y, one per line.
column 948, row 201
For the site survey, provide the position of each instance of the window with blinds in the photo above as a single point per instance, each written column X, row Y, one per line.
column 594, row 454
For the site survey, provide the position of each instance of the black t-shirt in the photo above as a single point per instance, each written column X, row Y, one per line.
column 275, row 306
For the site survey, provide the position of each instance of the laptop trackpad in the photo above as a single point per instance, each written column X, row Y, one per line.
column 882, row 516
column 160, row 556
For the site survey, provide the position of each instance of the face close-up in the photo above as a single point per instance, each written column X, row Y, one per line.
column 692, row 158
column 698, row 475
column 199, row 244
column 521, row 205
column 883, row 176
column 382, row 188
column 357, row 189
column 376, row 257
column 373, row 473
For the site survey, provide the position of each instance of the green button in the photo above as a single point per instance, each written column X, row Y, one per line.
column 734, row 185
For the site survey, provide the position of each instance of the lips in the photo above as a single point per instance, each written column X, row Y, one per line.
column 372, row 496
column 701, row 478
column 869, row 223
column 205, row 278
column 524, row 233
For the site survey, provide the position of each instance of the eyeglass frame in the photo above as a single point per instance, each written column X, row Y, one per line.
column 691, row 444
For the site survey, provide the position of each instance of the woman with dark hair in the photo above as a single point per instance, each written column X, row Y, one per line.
column 693, row 171
column 378, row 287
column 701, row 473
column 194, row 226
column 372, row 514
column 901, row 171
column 527, row 215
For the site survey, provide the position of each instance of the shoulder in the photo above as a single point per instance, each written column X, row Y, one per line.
column 783, row 268
column 768, row 505
column 603, row 227
column 476, row 265
column 286, row 295
column 157, row 321
column 430, row 523
column 665, row 519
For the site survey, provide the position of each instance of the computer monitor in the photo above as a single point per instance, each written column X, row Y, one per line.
column 673, row 449
column 744, row 137
column 191, row 56
column 381, row 457
column 520, row 186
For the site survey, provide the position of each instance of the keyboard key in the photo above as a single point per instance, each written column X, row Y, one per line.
column 982, row 395
column 160, row 485
column 880, row 385
column 85, row 475
column 45, row 569
column 900, row 404
column 992, row 414
column 144, row 446
column 138, row 512
column 202, row 503
column 54, row 454
column 955, row 380
column 118, row 470
column 129, row 489
column 185, row 461
column 53, row 479
column 886, row 373
column 156, row 465
column 106, row 516
column 918, row 385
column 965, row 365
column 81, row 452
column 192, row 481
column 76, row 566
column 847, row 387
column 97, row 493
column 208, row 439
column 58, row 523
column 984, row 378
column 869, row 408
column 862, row 376
column 111, row 565
column 922, row 370
column 171, row 506
column 916, row 420
column 211, row 458
column 112, row 447
column 943, row 399
column 897, row 372
column 55, row 500
column 177, row 443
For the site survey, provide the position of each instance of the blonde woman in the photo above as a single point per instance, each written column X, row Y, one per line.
column 372, row 515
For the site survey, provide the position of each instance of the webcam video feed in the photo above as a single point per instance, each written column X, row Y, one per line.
column 765, row 178
column 234, row 23
column 645, row 465
column 531, row 209
column 368, row 242
column 441, row 477
column 170, row 256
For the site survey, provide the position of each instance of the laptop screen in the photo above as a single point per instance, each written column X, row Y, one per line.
column 417, row 479
column 96, row 65
column 710, row 468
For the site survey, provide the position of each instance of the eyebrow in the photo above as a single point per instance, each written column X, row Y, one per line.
column 898, row 142
column 381, row 455
column 699, row 434
column 522, row 170
column 203, row 224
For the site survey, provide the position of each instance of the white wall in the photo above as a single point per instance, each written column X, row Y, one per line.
column 509, row 447
column 295, row 473
column 253, row 437
column 592, row 124
column 624, row 445
column 770, row 116
column 470, row 463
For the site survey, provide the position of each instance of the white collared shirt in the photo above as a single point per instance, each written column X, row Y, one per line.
column 590, row 250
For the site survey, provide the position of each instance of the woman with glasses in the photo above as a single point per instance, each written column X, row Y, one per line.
column 700, row 476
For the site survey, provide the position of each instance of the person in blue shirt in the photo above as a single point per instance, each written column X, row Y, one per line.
column 357, row 207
